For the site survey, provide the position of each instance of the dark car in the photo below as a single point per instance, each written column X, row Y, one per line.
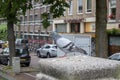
column 25, row 58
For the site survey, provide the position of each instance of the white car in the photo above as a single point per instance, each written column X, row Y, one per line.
column 115, row 56
column 48, row 50
column 6, row 51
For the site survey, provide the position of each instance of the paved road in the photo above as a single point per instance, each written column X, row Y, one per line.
column 29, row 73
column 34, row 61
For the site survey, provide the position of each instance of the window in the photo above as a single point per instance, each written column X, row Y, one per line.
column 30, row 18
column 75, row 27
column 49, row 16
column 112, row 9
column 61, row 28
column 80, row 6
column 21, row 19
column 89, row 5
column 113, row 13
column 25, row 18
column 93, row 27
column 36, row 17
column 113, row 3
column 71, row 7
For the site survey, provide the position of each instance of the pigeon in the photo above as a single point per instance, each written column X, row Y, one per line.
column 65, row 44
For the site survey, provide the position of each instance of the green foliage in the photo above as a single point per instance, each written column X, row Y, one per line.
column 10, row 9
column 3, row 27
column 45, row 21
column 57, row 8
column 113, row 31
column 3, row 32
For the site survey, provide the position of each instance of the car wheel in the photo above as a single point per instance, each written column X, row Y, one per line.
column 48, row 55
column 38, row 54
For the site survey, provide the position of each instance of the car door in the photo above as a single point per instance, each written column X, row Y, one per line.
column 45, row 49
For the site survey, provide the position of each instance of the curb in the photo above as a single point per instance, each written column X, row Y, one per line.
column 6, row 76
column 10, row 75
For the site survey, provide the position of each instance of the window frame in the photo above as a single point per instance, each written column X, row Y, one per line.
column 112, row 6
column 88, row 10
column 70, row 9
column 78, row 5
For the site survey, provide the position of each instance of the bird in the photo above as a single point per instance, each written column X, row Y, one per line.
column 65, row 44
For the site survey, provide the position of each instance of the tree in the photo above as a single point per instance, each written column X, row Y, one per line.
column 101, row 23
column 57, row 8
column 10, row 9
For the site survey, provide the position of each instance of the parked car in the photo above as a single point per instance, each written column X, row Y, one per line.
column 47, row 50
column 1, row 42
column 25, row 58
column 115, row 56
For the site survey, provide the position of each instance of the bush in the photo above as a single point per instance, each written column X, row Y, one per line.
column 113, row 31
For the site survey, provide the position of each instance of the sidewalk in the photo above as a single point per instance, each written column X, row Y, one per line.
column 27, row 73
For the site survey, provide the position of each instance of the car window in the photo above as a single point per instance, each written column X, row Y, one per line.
column 22, row 51
column 54, row 47
column 25, row 51
column 17, row 51
column 47, row 47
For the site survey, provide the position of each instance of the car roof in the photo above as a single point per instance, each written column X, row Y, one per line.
column 114, row 54
column 51, row 44
column 117, row 53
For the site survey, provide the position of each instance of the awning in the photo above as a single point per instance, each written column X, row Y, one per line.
column 32, row 34
column 74, row 20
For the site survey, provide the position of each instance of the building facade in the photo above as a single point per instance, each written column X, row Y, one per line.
column 30, row 26
column 80, row 17
column 113, row 14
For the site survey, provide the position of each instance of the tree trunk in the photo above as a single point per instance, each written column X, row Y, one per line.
column 11, row 39
column 101, row 23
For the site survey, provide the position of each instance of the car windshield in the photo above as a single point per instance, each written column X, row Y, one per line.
column 22, row 51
